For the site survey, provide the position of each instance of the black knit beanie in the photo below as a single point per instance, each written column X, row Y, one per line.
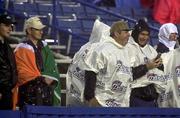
column 141, row 26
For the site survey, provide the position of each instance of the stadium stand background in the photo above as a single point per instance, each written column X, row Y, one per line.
column 69, row 24
column 77, row 17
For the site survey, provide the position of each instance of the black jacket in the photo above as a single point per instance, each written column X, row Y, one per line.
column 147, row 93
column 8, row 71
column 161, row 48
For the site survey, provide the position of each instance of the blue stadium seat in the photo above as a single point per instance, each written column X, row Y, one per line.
column 128, row 3
column 126, row 11
column 67, row 10
column 48, row 8
column 79, row 10
column 82, row 33
column 69, row 24
column 31, row 8
column 87, row 25
column 18, row 7
column 142, row 13
column 45, row 8
column 90, row 11
column 76, row 44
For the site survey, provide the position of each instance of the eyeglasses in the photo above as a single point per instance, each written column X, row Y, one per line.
column 36, row 29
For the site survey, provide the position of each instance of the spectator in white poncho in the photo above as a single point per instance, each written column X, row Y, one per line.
column 144, row 67
column 167, row 38
column 108, row 73
column 75, row 73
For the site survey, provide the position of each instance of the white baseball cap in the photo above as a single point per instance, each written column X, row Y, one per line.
column 34, row 22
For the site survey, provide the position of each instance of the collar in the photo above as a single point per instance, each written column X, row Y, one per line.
column 114, row 42
column 167, row 43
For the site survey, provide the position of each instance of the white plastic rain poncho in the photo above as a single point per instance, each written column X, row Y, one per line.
column 75, row 74
column 141, row 55
column 110, row 62
column 171, row 61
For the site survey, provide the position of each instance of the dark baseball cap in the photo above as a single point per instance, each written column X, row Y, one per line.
column 6, row 19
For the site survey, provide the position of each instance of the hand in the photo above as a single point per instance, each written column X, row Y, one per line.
column 93, row 103
column 154, row 63
column 48, row 81
column 159, row 61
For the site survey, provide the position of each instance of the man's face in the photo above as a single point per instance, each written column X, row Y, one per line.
column 5, row 30
column 36, row 33
column 123, row 37
column 143, row 38
column 173, row 36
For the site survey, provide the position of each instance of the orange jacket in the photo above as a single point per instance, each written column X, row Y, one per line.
column 26, row 67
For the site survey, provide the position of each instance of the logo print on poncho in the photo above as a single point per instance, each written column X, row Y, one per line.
column 122, row 68
column 112, row 103
column 118, row 87
column 164, row 96
column 100, row 84
column 155, row 77
column 78, row 73
column 75, row 92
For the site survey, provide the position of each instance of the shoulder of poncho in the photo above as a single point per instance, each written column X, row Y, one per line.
column 151, row 47
column 108, row 45
column 24, row 45
column 132, row 45
column 131, row 42
column 105, row 48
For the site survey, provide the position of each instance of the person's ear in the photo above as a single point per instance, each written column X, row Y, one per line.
column 116, row 34
column 28, row 30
